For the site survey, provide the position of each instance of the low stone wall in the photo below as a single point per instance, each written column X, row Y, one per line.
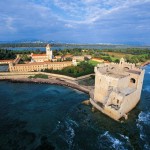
column 49, row 81
column 59, row 76
column 13, row 74
column 84, row 77
column 17, row 74
column 53, row 79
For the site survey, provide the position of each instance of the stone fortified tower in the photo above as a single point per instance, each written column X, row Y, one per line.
column 117, row 88
column 49, row 52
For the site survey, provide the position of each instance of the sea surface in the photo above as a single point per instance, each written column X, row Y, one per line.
column 42, row 116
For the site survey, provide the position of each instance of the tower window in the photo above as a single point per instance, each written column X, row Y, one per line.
column 132, row 80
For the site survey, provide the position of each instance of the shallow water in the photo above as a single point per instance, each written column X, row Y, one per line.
column 37, row 116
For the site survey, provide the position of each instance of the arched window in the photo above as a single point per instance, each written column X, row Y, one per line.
column 132, row 80
column 117, row 101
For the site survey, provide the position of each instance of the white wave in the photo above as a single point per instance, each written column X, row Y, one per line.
column 124, row 137
column 116, row 143
column 142, row 134
column 144, row 117
column 66, row 130
column 147, row 147
column 69, row 132
column 74, row 123
column 147, row 88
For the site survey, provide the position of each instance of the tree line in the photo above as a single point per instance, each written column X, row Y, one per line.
column 7, row 54
column 81, row 69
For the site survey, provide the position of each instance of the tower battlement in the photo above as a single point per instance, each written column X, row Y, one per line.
column 117, row 88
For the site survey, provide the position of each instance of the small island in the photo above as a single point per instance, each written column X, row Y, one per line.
column 112, row 86
column 71, row 68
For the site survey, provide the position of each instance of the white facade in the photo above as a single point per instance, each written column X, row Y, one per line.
column 49, row 52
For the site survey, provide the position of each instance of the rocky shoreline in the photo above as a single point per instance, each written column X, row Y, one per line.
column 49, row 81
column 146, row 63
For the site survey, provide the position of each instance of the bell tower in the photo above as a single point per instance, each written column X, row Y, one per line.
column 49, row 52
column 122, row 61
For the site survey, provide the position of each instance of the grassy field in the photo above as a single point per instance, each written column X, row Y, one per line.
column 112, row 58
column 87, row 82
column 94, row 63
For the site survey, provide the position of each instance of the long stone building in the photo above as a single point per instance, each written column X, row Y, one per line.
column 117, row 88
column 38, row 62
column 38, row 66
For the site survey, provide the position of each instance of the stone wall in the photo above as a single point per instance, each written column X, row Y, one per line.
column 17, row 74
column 117, row 88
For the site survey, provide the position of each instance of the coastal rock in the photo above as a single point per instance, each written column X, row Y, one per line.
column 86, row 102
column 94, row 109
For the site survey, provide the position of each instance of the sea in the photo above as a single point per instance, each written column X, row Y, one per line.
column 72, row 46
column 37, row 116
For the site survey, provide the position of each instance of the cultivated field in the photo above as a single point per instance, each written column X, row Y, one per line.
column 117, row 54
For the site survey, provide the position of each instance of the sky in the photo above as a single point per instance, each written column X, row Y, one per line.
column 76, row 21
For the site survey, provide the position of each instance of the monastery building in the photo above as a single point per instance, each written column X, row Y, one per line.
column 48, row 56
column 39, row 62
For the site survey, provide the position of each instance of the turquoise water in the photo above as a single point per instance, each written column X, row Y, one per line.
column 42, row 116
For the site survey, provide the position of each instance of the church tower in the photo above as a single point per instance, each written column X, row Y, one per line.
column 122, row 61
column 49, row 52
